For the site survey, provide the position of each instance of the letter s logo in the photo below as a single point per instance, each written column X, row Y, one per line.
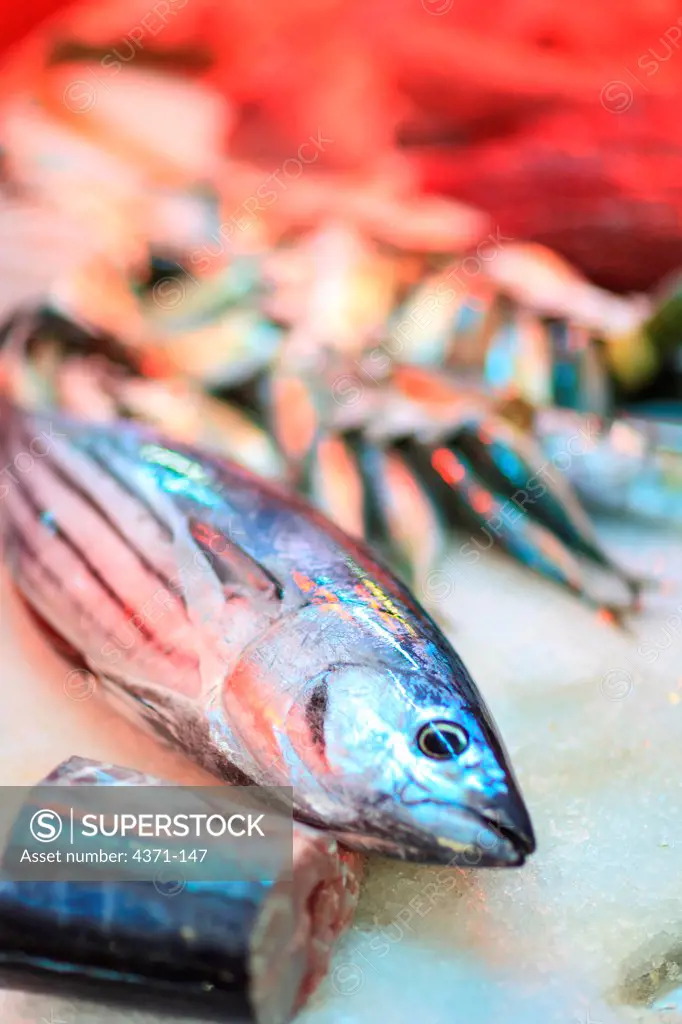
column 46, row 826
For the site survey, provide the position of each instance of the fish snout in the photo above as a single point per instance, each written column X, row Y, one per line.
column 499, row 831
column 509, row 818
column 499, row 834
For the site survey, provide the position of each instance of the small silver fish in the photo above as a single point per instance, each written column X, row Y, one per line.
column 255, row 635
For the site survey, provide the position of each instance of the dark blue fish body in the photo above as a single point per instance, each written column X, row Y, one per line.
column 227, row 946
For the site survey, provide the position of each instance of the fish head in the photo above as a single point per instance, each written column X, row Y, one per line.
column 382, row 737
column 416, row 768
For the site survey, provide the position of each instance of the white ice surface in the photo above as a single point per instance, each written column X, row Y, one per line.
column 581, row 935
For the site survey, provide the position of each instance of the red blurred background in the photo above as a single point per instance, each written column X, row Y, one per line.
column 562, row 121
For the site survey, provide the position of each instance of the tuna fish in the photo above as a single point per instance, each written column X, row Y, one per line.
column 254, row 634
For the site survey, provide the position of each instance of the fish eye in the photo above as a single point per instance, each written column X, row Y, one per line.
column 442, row 740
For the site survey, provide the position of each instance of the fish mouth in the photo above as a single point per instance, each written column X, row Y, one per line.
column 516, row 841
column 510, row 819
column 488, row 843
column 497, row 834
column 457, row 836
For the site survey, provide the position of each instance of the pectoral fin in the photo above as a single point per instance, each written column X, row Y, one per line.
column 235, row 569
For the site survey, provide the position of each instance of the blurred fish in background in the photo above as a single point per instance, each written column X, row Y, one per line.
column 216, row 245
